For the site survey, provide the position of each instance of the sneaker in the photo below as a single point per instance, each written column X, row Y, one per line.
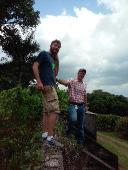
column 44, row 135
column 54, row 142
column 44, row 138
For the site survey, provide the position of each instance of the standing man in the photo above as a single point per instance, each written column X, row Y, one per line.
column 45, row 69
column 77, row 104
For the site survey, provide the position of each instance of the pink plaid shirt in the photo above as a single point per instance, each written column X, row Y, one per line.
column 77, row 91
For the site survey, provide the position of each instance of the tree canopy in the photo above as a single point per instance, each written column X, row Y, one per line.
column 18, row 21
column 18, row 12
column 107, row 103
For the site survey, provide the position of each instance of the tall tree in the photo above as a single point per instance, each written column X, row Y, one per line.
column 18, row 21
column 18, row 12
column 107, row 103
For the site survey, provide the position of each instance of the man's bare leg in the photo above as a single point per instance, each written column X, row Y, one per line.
column 52, row 122
column 45, row 122
column 45, row 126
column 52, row 117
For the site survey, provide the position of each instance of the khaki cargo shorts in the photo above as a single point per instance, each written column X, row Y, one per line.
column 50, row 100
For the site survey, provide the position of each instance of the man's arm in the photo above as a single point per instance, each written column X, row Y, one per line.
column 35, row 68
column 86, row 102
column 56, row 66
column 64, row 82
column 85, row 99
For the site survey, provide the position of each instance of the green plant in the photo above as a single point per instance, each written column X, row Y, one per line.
column 122, row 127
column 63, row 99
column 20, row 112
column 20, row 104
column 106, row 122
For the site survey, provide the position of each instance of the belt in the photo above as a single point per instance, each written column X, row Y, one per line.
column 78, row 104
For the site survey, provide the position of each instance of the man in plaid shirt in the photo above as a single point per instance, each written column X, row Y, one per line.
column 77, row 103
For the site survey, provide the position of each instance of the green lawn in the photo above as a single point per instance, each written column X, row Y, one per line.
column 116, row 145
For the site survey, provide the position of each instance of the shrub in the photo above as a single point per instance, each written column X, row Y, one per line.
column 63, row 100
column 20, row 104
column 20, row 110
column 106, row 122
column 122, row 127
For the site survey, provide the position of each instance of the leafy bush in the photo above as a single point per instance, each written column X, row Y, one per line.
column 113, row 123
column 107, row 103
column 63, row 99
column 20, row 111
column 106, row 122
column 122, row 127
column 20, row 104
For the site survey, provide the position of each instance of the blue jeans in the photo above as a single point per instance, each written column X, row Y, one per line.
column 76, row 115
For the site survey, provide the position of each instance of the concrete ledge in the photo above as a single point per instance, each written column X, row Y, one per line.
column 54, row 161
column 90, row 124
column 53, row 158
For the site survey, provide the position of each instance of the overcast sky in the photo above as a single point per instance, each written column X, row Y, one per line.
column 94, row 35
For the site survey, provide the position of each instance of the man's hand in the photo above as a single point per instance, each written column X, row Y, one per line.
column 40, row 86
column 86, row 106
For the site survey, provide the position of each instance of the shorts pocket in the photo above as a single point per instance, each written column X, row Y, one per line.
column 51, row 95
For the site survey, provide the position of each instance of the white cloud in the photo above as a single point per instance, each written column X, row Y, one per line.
column 119, row 6
column 113, row 5
column 97, row 42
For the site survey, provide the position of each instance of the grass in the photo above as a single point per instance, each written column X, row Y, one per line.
column 116, row 145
